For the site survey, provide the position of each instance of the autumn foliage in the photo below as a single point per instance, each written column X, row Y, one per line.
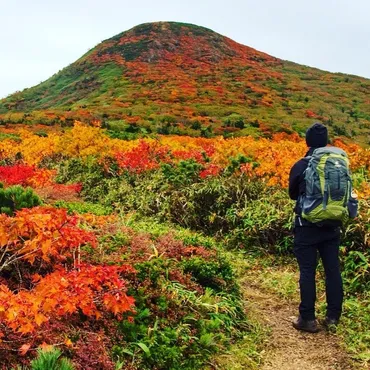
column 40, row 233
column 273, row 157
column 88, row 289
column 62, row 272
column 44, row 245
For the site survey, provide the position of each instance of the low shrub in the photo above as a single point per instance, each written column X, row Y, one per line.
column 51, row 360
column 84, row 207
column 16, row 197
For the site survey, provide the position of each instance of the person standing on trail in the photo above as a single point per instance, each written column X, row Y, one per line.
column 321, row 185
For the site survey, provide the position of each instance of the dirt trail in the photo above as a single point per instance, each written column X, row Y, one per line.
column 287, row 348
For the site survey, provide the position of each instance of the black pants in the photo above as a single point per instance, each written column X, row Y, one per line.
column 307, row 242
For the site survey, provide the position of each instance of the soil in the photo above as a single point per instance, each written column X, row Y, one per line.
column 286, row 347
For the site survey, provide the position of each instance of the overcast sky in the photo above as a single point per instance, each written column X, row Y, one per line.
column 40, row 37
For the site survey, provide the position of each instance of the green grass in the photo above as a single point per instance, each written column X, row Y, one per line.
column 84, row 207
column 14, row 137
column 280, row 275
column 354, row 328
column 246, row 353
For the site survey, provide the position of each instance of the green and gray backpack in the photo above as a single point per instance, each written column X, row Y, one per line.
column 328, row 200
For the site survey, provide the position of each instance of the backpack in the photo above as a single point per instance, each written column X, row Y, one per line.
column 328, row 197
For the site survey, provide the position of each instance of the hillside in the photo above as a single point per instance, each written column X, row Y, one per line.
column 179, row 78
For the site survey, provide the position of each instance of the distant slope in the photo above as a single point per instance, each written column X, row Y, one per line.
column 180, row 78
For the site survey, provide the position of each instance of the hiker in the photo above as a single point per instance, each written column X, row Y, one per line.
column 312, row 232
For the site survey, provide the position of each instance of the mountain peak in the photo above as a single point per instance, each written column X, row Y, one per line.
column 169, row 41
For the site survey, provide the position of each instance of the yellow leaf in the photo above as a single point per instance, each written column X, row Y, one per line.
column 45, row 246
column 26, row 328
column 40, row 318
column 46, row 347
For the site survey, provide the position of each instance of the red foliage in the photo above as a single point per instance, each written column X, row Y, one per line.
column 69, row 188
column 48, row 306
column 90, row 289
column 52, row 192
column 189, row 154
column 42, row 232
column 210, row 171
column 41, row 179
column 91, row 353
column 140, row 159
column 311, row 114
column 18, row 174
column 247, row 168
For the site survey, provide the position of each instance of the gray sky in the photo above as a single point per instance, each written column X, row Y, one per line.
column 40, row 37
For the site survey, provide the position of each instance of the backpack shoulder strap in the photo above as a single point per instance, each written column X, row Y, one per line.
column 329, row 150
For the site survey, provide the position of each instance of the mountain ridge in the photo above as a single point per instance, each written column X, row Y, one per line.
column 171, row 77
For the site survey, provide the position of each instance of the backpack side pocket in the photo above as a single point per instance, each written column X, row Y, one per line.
column 352, row 207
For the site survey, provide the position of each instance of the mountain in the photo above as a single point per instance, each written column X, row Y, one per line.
column 173, row 77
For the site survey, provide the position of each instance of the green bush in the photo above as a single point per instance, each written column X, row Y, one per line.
column 234, row 120
column 51, row 360
column 84, row 207
column 205, row 205
column 14, row 137
column 41, row 133
column 176, row 327
column 356, row 270
column 177, row 194
column 217, row 275
column 264, row 223
column 90, row 173
column 355, row 254
column 236, row 162
column 185, row 172
column 16, row 197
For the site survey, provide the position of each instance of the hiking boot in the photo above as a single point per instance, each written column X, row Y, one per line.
column 305, row 325
column 330, row 324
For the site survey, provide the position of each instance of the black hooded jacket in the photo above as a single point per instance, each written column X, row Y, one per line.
column 297, row 186
column 316, row 137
